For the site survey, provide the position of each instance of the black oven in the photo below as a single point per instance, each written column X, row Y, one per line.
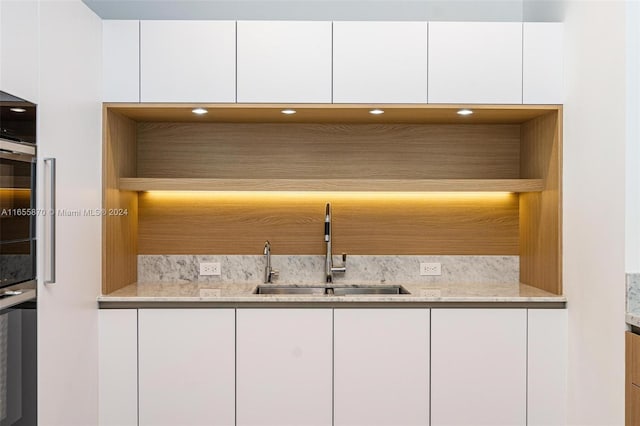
column 17, row 191
column 18, row 302
column 18, row 361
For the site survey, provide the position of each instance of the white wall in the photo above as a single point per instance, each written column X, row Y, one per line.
column 632, row 223
column 594, row 209
column 70, row 130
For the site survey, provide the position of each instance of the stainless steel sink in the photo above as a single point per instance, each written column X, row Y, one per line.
column 362, row 290
column 369, row 289
column 284, row 290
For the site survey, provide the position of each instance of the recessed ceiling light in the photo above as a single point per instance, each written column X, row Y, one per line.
column 376, row 111
column 199, row 111
column 288, row 111
column 465, row 112
column 18, row 109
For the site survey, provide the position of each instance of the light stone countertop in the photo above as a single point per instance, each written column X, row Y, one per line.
column 633, row 319
column 210, row 294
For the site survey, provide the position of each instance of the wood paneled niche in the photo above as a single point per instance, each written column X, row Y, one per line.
column 416, row 180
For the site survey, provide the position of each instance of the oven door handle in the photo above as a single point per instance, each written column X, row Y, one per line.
column 52, row 221
column 21, row 297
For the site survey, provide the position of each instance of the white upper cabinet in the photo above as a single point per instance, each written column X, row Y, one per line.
column 542, row 63
column 380, row 62
column 121, row 61
column 187, row 61
column 19, row 30
column 475, row 62
column 478, row 367
column 284, row 62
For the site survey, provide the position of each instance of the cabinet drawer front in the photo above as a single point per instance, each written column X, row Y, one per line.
column 478, row 367
column 381, row 367
column 284, row 359
column 186, row 367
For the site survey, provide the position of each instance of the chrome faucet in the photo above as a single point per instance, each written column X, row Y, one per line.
column 329, row 268
column 269, row 272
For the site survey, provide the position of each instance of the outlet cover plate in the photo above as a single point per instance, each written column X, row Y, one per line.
column 430, row 268
column 210, row 268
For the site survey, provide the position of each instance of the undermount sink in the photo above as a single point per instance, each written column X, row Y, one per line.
column 362, row 290
column 279, row 289
column 369, row 289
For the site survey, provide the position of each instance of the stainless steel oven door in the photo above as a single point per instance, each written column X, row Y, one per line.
column 17, row 213
column 18, row 358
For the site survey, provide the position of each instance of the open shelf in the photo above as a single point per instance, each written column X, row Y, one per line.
column 416, row 180
column 367, row 185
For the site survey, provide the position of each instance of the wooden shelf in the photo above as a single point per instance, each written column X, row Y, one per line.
column 368, row 185
column 332, row 113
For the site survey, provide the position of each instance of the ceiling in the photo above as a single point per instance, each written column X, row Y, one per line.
column 334, row 10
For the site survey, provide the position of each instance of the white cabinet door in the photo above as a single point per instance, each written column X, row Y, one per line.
column 284, row 62
column 478, row 367
column 475, row 62
column 284, row 367
column 187, row 61
column 381, row 367
column 547, row 367
column 542, row 63
column 380, row 62
column 118, row 368
column 120, row 61
column 69, row 129
column 186, row 367
column 19, row 52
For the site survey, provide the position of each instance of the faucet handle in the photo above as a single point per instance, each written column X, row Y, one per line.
column 344, row 257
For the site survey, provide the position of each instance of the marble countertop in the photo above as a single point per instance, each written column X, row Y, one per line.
column 146, row 294
column 633, row 319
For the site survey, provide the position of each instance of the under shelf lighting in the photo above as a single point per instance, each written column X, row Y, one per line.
column 19, row 110
column 465, row 112
column 199, row 111
column 288, row 111
column 376, row 111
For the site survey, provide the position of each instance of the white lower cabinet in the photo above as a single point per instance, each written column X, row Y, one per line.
column 284, row 367
column 342, row 367
column 381, row 367
column 547, row 367
column 186, row 367
column 118, row 367
column 478, row 367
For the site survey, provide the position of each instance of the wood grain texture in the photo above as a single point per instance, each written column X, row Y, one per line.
column 363, row 223
column 540, row 212
column 120, row 242
column 314, row 151
column 632, row 368
column 371, row 185
column 332, row 113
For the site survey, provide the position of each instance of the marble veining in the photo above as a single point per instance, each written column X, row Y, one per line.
column 306, row 270
column 234, row 293
column 633, row 293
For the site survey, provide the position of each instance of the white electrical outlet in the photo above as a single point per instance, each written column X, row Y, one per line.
column 430, row 268
column 210, row 268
